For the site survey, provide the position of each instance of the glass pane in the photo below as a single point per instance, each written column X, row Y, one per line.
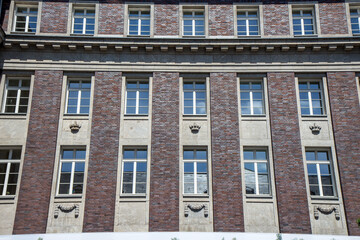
column 140, row 188
column 141, row 167
column 245, row 111
column 66, row 167
column 313, row 179
column 322, row 156
column 143, row 103
column 77, row 189
column 188, row 187
column 310, row 156
column 141, row 154
column 188, row 110
column 127, row 188
column 13, row 178
column 249, row 168
column 130, row 110
column 64, row 188
column 80, row 154
column 250, row 188
column 202, row 183
column 201, row 154
column 264, row 189
column 67, row 154
column 4, row 154
column 248, row 155
column 14, row 167
column 78, row 177
column 65, row 178
column 257, row 95
column 11, row 189
column 245, row 95
column 140, row 177
column 80, row 167
column 189, row 154
column 326, row 180
column 325, row 169
column 143, row 110
column 312, row 169
column 144, row 94
column 305, row 111
column 314, row 190
column 202, row 167
column 328, row 191
column 128, row 177
column 262, row 168
column 189, row 167
column 317, row 111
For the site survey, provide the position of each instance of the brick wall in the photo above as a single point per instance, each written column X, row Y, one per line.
column 166, row 19
column 288, row 161
column 276, row 19
column 104, row 147
column 333, row 18
column 164, row 175
column 37, row 174
column 227, row 196
column 111, row 18
column 345, row 113
column 54, row 17
column 221, row 20
column 4, row 14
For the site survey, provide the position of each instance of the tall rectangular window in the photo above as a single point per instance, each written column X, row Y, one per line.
column 137, row 97
column 25, row 19
column 134, row 171
column 78, row 96
column 16, row 95
column 195, row 172
column 193, row 22
column 321, row 178
column 83, row 20
column 252, row 98
column 194, row 98
column 303, row 21
column 71, row 171
column 9, row 171
column 257, row 178
column 311, row 98
column 355, row 20
column 139, row 21
column 248, row 23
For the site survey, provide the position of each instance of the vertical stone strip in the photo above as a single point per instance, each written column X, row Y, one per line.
column 221, row 20
column 111, row 18
column 164, row 175
column 345, row 114
column 166, row 19
column 37, row 173
column 104, row 147
column 54, row 17
column 288, row 161
column 333, row 18
column 276, row 19
column 227, row 195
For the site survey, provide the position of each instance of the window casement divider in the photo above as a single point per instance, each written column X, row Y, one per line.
column 7, row 173
column 319, row 179
column 310, row 103
column 137, row 101
column 256, row 178
column 134, row 177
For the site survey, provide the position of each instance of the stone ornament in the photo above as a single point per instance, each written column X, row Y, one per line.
column 196, row 208
column 326, row 210
column 75, row 127
column 66, row 209
column 194, row 128
column 315, row 129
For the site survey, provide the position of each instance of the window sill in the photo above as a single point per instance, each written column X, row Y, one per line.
column 324, row 198
column 136, row 117
column 305, row 36
column 314, row 118
column 23, row 33
column 185, row 195
column 253, row 117
column 129, row 195
column 133, row 198
column 196, row 36
column 81, row 35
column 13, row 116
column 68, row 196
column 7, row 197
column 142, row 36
column 250, row 36
column 194, row 115
column 75, row 116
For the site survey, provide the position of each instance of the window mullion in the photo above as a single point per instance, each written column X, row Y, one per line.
column 27, row 21
column 195, row 177
column 302, row 26
column 251, row 103
column 134, row 178
column 137, row 102
column 247, row 27
column 139, row 25
column 17, row 100
column 319, row 179
column 5, row 97
column 78, row 101
column 310, row 103
column 194, row 102
column 256, row 178
column 6, row 178
column 84, row 22
column 72, row 177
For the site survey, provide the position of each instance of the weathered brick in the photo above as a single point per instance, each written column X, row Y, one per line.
column 333, row 17
column 164, row 175
column 111, row 18
column 104, row 148
column 54, row 17
column 38, row 166
column 166, row 19
column 288, row 162
column 276, row 19
column 221, row 20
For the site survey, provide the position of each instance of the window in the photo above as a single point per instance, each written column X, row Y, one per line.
column 83, row 21
column 256, row 172
column 311, row 100
column 137, row 97
column 195, row 98
column 303, row 21
column 78, row 96
column 25, row 19
column 134, row 171
column 193, row 22
column 355, row 20
column 195, row 172
column 320, row 173
column 9, row 171
column 16, row 96
column 139, row 21
column 71, row 172
column 247, row 23
column 251, row 97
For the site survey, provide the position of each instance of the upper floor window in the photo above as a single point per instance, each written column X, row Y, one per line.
column 78, row 96
column 311, row 98
column 71, row 171
column 247, row 22
column 193, row 22
column 134, row 171
column 303, row 21
column 252, row 99
column 25, row 19
column 195, row 172
column 139, row 21
column 194, row 98
column 137, row 97
column 355, row 20
column 256, row 172
column 16, row 95
column 319, row 169
column 9, row 171
column 83, row 20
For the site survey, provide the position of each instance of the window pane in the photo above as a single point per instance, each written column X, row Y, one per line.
column 248, row 155
column 264, row 189
column 129, row 154
column 66, row 167
column 310, row 156
column 328, row 191
column 189, row 167
column 312, row 169
column 200, row 154
column 188, row 154
column 141, row 154
column 314, row 190
column 322, row 156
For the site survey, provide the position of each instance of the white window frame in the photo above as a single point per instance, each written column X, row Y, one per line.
column 195, row 162
column 27, row 16
column 313, row 17
column 137, row 90
column 247, row 19
column 358, row 17
column 193, row 19
column 85, row 8
column 194, row 92
column 78, row 104
column 73, row 163
column 318, row 173
column 309, row 91
column 256, row 162
column 18, row 89
column 139, row 19
column 10, row 161
column 134, row 162
column 251, row 91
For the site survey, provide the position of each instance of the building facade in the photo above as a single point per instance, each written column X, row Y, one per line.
column 238, row 116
